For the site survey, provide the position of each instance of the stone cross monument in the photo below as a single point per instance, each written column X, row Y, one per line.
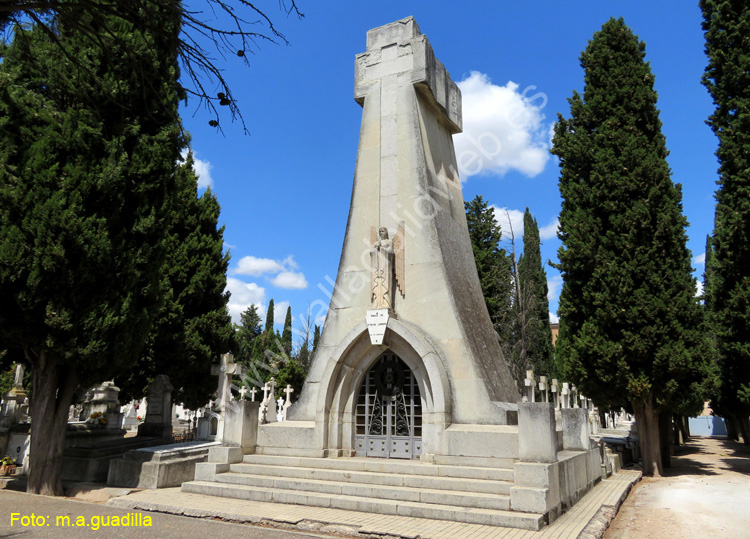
column 407, row 303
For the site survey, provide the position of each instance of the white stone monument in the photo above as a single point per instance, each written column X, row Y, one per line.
column 407, row 304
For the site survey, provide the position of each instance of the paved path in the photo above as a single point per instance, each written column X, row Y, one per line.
column 607, row 494
column 706, row 493
column 95, row 515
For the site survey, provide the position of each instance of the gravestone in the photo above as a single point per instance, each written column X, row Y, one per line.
column 158, row 421
column 103, row 398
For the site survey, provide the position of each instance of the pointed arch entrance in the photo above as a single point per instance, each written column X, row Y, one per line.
column 389, row 411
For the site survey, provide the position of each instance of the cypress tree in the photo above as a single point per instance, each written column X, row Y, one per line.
column 727, row 77
column 316, row 338
column 286, row 334
column 532, row 305
column 246, row 333
column 493, row 264
column 630, row 330
column 89, row 137
column 194, row 326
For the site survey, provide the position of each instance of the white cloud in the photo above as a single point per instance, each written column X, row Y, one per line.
column 550, row 231
column 553, row 318
column 554, row 285
column 242, row 296
column 202, row 170
column 284, row 276
column 251, row 265
column 319, row 320
column 503, row 128
column 698, row 288
column 279, row 312
column 502, row 216
column 700, row 259
column 290, row 279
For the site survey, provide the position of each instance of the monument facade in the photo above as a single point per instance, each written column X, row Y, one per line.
column 408, row 362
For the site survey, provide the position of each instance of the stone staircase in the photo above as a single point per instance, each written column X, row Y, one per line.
column 459, row 493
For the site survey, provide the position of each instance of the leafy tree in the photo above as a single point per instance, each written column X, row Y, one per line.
column 194, row 326
column 232, row 29
column 87, row 183
column 531, row 306
column 727, row 77
column 493, row 264
column 630, row 332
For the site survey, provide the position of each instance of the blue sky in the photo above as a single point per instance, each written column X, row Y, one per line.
column 285, row 189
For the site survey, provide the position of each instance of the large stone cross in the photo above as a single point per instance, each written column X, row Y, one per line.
column 225, row 370
column 398, row 60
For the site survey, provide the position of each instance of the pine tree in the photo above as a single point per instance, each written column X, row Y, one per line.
column 727, row 77
column 194, row 327
column 531, row 306
column 630, row 330
column 89, row 138
column 493, row 265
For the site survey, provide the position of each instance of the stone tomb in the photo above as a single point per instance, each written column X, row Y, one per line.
column 409, row 407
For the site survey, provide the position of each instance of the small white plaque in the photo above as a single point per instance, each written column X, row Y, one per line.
column 377, row 321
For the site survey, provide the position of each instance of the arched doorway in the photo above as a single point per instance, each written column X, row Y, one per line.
column 389, row 411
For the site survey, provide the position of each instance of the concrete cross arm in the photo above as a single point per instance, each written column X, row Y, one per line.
column 400, row 49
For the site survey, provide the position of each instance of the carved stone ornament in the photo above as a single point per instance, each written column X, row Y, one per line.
column 387, row 266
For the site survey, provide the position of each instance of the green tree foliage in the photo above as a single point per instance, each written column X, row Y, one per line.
column 727, row 77
column 316, row 338
column 531, row 306
column 286, row 334
column 88, row 145
column 245, row 335
column 232, row 29
column 630, row 331
column 194, row 327
column 493, row 264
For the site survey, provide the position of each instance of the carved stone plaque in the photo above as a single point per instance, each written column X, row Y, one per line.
column 377, row 320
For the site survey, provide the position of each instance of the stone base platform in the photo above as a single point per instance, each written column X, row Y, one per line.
column 584, row 519
column 158, row 467
column 470, row 494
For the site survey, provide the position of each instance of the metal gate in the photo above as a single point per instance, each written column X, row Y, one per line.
column 389, row 411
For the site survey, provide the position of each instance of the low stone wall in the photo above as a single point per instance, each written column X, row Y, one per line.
column 158, row 467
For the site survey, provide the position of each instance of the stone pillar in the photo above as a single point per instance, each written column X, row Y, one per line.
column 537, row 436
column 536, row 486
column 575, row 429
column 241, row 425
column 158, row 420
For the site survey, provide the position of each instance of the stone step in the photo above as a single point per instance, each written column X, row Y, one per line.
column 386, row 466
column 491, row 517
column 407, row 494
column 378, row 478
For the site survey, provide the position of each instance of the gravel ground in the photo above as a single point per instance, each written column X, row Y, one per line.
column 706, row 493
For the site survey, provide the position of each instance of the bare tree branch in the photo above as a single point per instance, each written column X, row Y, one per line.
column 235, row 28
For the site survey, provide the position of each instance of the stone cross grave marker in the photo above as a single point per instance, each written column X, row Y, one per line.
column 252, row 394
column 543, row 388
column 565, row 395
column 288, row 403
column 530, row 382
column 555, row 395
column 225, row 370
